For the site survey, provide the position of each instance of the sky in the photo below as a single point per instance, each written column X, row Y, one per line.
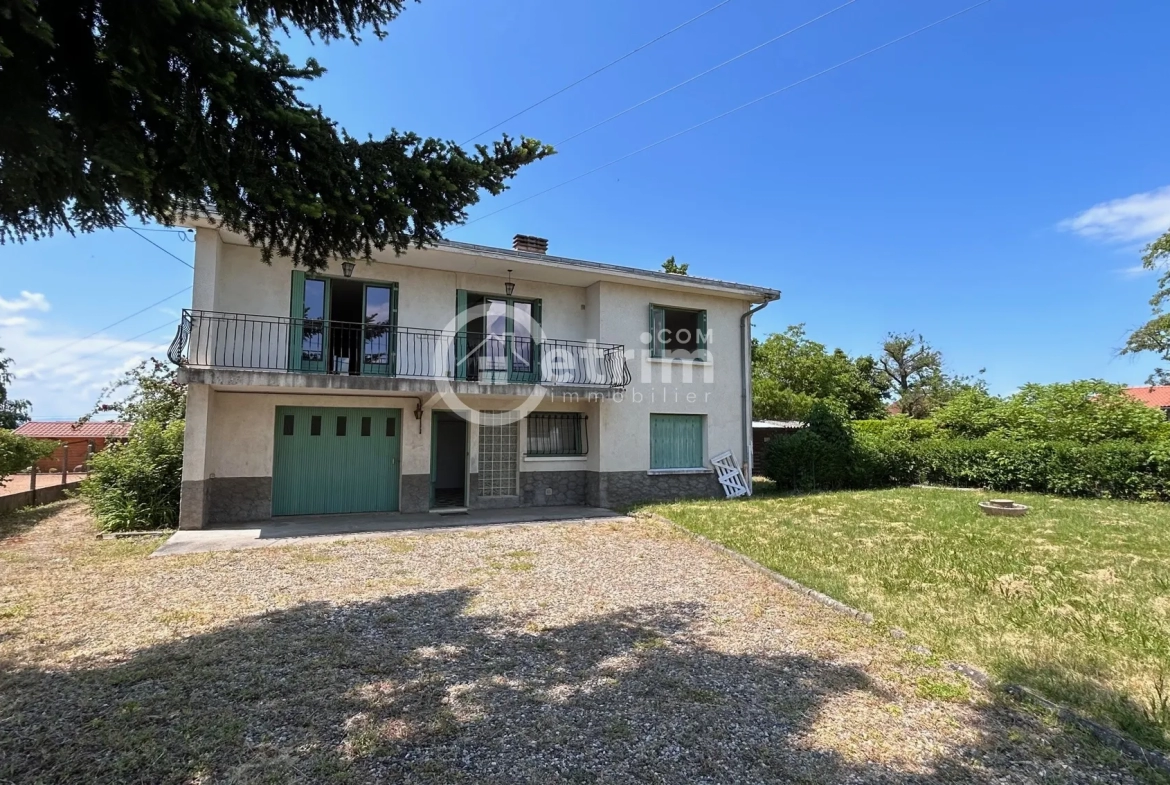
column 988, row 182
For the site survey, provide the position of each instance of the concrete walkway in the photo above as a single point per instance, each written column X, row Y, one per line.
column 324, row 528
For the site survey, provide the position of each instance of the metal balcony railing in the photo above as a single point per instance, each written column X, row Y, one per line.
column 208, row 339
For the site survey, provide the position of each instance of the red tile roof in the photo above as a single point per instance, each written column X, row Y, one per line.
column 1154, row 397
column 69, row 430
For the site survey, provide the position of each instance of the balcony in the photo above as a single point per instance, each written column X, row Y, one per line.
column 230, row 341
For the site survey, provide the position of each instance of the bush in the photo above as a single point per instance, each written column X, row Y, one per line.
column 135, row 485
column 1117, row 469
column 18, row 453
column 898, row 427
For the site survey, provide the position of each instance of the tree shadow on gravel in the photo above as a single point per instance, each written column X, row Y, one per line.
column 424, row 688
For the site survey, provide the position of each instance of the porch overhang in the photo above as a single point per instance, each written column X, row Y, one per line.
column 246, row 380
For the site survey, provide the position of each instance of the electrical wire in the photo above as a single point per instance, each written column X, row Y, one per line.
column 68, row 344
column 605, row 67
column 156, row 245
column 741, row 107
column 710, row 70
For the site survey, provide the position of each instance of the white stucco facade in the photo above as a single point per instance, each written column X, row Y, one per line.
column 233, row 430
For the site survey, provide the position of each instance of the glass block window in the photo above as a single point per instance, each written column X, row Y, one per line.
column 498, row 448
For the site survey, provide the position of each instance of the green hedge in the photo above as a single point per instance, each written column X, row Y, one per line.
column 872, row 459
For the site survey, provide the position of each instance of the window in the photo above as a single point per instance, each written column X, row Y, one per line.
column 678, row 333
column 289, row 422
column 676, row 441
column 557, row 434
column 497, row 455
column 390, row 426
column 315, row 425
column 341, row 426
column 366, row 423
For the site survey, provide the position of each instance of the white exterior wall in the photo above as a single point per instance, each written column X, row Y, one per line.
column 241, row 428
column 662, row 386
column 244, row 284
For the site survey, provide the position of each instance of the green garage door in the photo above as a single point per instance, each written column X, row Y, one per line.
column 335, row 460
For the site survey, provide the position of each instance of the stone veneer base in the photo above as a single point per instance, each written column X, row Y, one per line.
column 241, row 499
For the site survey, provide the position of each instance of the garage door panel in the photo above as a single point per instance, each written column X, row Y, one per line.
column 325, row 461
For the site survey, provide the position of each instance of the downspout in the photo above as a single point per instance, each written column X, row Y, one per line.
column 745, row 340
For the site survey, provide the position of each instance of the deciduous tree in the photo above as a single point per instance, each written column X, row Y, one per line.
column 1154, row 335
column 791, row 372
column 118, row 108
column 13, row 412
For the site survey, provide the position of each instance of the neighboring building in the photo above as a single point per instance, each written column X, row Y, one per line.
column 77, row 442
column 458, row 376
column 764, row 431
column 1154, row 396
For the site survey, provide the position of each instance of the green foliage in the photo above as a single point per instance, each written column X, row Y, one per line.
column 1154, row 335
column 18, row 453
column 971, row 413
column 790, row 373
column 820, row 456
column 13, row 413
column 163, row 110
column 880, row 457
column 900, row 427
column 152, row 393
column 1082, row 411
column 671, row 266
column 135, row 485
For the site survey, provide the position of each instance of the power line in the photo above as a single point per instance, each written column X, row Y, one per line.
column 156, row 245
column 710, row 70
column 605, row 67
column 753, row 102
column 168, row 323
column 68, row 344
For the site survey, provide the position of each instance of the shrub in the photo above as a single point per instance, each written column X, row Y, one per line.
column 18, row 453
column 898, row 427
column 817, row 457
column 135, row 485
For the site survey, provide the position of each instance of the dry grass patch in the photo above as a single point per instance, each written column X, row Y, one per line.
column 1069, row 600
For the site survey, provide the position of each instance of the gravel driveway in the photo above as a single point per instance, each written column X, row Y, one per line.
column 583, row 653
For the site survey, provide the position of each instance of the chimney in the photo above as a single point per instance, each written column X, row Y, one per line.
column 526, row 242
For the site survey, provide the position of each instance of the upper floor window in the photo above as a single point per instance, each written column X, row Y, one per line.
column 678, row 333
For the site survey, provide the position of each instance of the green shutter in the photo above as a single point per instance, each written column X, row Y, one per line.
column 461, row 335
column 657, row 326
column 676, row 441
column 296, row 311
column 702, row 337
column 394, row 330
column 533, row 377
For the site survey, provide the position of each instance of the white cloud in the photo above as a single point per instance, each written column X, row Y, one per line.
column 60, row 373
column 1139, row 217
column 28, row 301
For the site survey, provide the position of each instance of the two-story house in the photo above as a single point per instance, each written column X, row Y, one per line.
column 458, row 376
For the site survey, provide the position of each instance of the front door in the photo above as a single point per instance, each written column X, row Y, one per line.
column 335, row 460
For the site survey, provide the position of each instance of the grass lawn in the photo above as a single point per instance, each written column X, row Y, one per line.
column 1073, row 599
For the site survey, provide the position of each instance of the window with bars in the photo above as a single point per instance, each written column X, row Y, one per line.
column 552, row 433
column 498, row 447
